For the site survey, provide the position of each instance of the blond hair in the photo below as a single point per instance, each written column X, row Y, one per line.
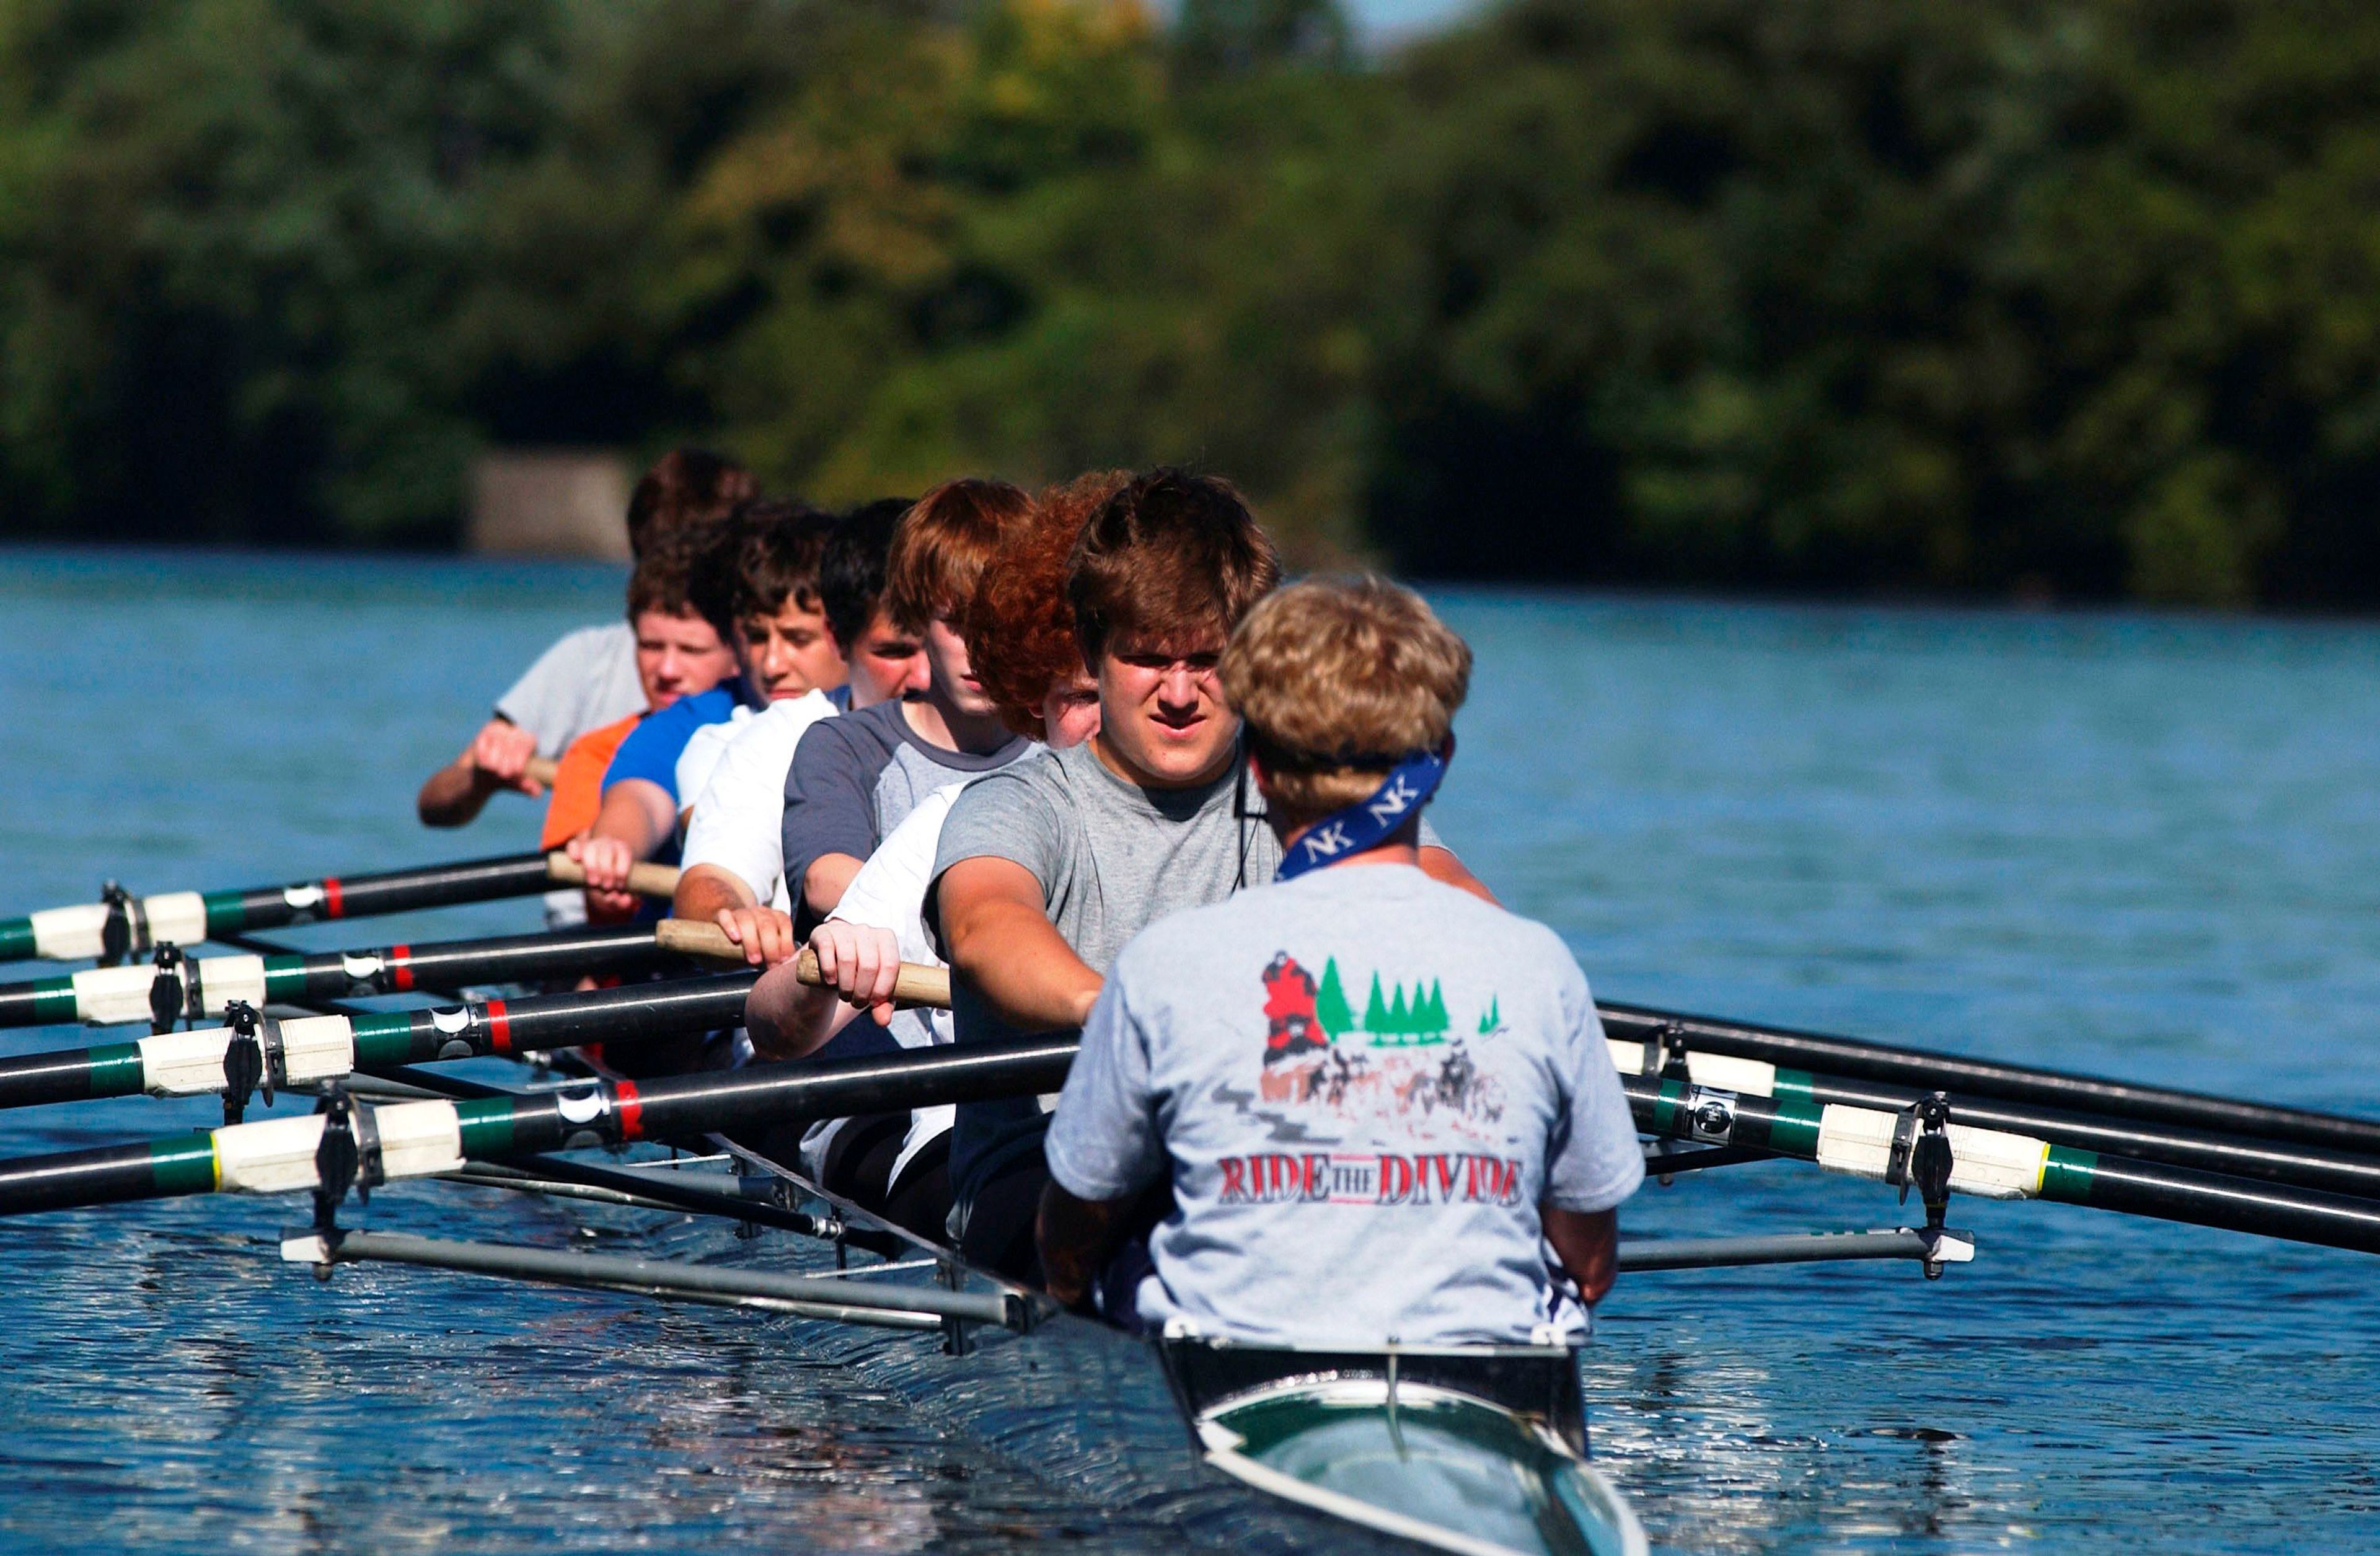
column 1339, row 680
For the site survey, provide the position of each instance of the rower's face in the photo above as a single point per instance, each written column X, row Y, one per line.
column 946, row 665
column 886, row 663
column 1163, row 714
column 678, row 656
column 1070, row 714
column 790, row 652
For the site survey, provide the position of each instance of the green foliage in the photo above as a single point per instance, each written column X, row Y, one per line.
column 2080, row 298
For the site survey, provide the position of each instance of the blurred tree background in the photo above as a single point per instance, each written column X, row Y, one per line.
column 2009, row 296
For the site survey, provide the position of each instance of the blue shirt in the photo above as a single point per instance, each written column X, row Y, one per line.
column 651, row 750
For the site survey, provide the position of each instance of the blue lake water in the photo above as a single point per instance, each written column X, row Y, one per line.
column 2130, row 844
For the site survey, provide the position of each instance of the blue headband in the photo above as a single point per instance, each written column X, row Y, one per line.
column 1370, row 823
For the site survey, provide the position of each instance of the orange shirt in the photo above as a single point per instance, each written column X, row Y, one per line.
column 577, row 791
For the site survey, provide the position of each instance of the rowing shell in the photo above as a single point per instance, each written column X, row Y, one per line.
column 1479, row 1451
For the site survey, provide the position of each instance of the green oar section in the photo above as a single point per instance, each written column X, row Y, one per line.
column 1855, row 1060
column 2305, row 1166
column 1997, row 1164
column 321, row 1048
column 122, row 926
column 418, row 1139
column 198, row 987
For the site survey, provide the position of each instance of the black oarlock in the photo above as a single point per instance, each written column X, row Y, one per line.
column 166, row 991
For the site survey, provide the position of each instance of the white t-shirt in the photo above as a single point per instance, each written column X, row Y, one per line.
column 739, row 822
column 703, row 749
column 889, row 893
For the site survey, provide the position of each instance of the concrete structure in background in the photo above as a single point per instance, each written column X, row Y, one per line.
column 554, row 502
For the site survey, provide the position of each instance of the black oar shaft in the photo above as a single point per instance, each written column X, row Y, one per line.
column 2002, row 1165
column 417, row 1139
column 198, row 987
column 326, row 1046
column 1978, row 1077
column 132, row 925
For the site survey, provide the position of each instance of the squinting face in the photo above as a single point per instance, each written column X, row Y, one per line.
column 885, row 664
column 1163, row 718
column 946, row 663
column 790, row 654
column 678, row 656
column 1070, row 714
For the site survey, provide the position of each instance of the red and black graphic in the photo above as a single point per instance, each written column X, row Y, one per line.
column 1291, row 1026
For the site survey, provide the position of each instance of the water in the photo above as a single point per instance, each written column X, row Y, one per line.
column 2136, row 845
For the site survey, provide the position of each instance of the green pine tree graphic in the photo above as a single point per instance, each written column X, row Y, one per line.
column 1330, row 1006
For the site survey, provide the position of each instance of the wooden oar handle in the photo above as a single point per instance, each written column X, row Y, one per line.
column 542, row 769
column 914, row 985
column 645, row 879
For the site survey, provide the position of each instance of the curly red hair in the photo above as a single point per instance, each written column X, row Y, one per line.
column 1019, row 628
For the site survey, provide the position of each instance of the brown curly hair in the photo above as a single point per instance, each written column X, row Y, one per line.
column 1019, row 626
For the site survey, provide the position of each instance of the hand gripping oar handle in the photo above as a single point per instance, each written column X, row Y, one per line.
column 915, row 984
column 646, row 880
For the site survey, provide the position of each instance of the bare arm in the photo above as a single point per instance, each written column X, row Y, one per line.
column 787, row 1018
column 1440, row 864
column 1075, row 1237
column 827, row 879
column 496, row 758
column 1588, row 1243
column 708, row 893
column 999, row 938
column 632, row 825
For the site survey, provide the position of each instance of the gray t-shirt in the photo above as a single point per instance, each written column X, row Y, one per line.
column 586, row 680
column 1362, row 1084
column 854, row 778
column 1113, row 857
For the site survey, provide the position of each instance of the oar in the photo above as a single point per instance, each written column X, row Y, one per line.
column 542, row 769
column 2306, row 1166
column 121, row 925
column 915, row 984
column 1926, row 1071
column 419, row 1139
column 317, row 1048
column 1871, row 1143
column 197, row 988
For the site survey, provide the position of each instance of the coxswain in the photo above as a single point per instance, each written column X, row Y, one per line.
column 1408, row 1164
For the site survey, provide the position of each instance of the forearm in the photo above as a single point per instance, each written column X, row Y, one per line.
column 1021, row 965
column 1440, row 864
column 635, row 813
column 828, row 877
column 1076, row 1236
column 454, row 796
column 787, row 1018
column 1587, row 1243
column 704, row 892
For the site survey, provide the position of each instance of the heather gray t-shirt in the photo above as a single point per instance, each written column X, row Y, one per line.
column 1111, row 857
column 586, row 680
column 1362, row 1084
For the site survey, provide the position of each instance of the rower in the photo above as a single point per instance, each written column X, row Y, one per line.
column 1045, row 870
column 678, row 654
column 1342, row 1178
column 592, row 676
column 763, row 561
column 854, row 779
column 1019, row 634
column 733, row 861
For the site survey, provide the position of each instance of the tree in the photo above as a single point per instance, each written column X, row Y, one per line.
column 1376, row 1009
column 1330, row 1002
